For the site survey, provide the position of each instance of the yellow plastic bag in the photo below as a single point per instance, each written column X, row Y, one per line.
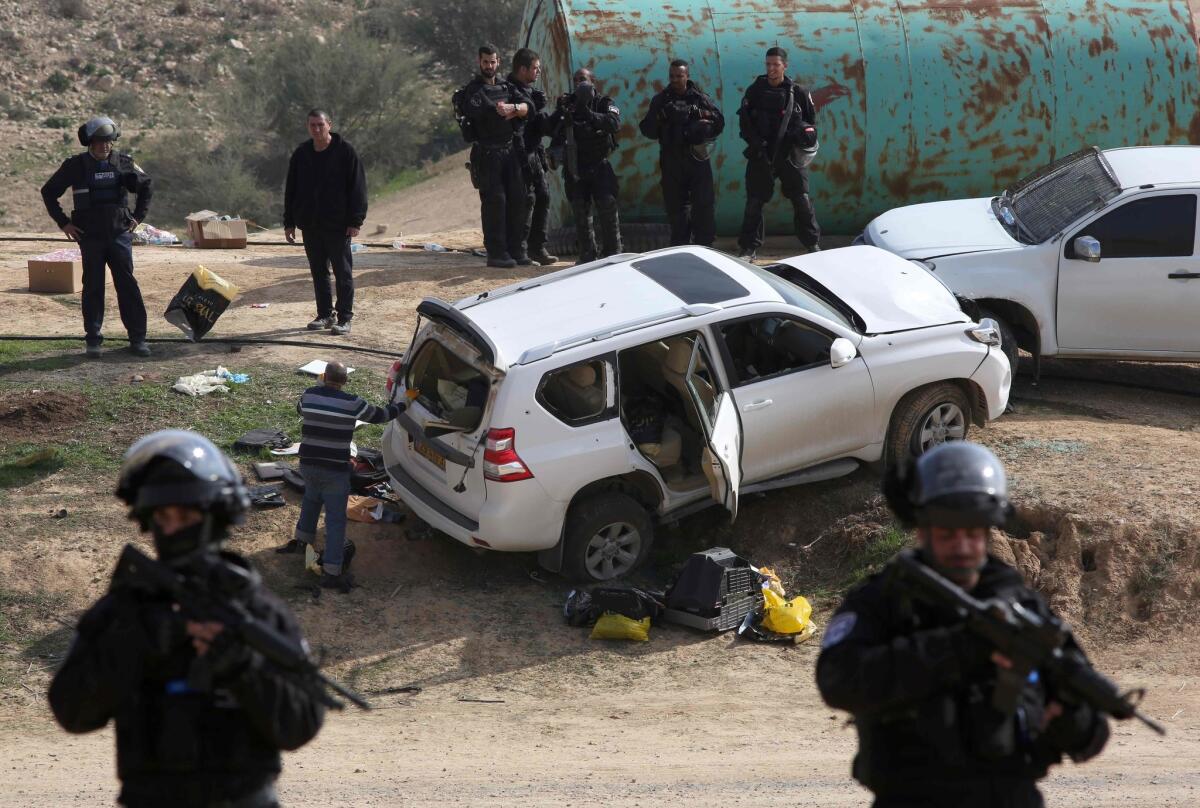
column 785, row 617
column 613, row 626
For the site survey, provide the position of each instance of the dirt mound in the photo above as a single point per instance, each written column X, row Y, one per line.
column 30, row 413
column 1108, row 578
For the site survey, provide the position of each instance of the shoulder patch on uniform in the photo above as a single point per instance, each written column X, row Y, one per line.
column 839, row 628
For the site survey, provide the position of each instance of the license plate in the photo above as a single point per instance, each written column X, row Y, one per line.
column 427, row 453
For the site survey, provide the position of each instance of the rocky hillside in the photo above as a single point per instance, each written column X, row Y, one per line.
column 150, row 65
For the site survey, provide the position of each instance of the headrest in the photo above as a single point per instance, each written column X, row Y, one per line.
column 679, row 353
column 582, row 375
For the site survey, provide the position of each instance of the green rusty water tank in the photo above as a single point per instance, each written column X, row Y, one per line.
column 917, row 99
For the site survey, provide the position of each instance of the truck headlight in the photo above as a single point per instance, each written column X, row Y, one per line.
column 986, row 331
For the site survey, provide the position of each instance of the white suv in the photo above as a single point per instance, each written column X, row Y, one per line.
column 1093, row 256
column 569, row 413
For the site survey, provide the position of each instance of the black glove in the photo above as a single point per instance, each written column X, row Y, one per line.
column 585, row 92
column 564, row 102
column 228, row 657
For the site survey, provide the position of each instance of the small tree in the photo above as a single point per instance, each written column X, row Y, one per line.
column 451, row 31
column 375, row 92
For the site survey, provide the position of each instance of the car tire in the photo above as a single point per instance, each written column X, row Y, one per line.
column 607, row 536
column 925, row 418
column 1008, row 340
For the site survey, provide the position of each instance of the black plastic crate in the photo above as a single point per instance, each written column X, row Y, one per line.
column 733, row 612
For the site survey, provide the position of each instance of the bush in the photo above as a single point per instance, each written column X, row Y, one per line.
column 58, row 81
column 72, row 9
column 182, row 8
column 56, row 122
column 377, row 96
column 451, row 31
column 188, row 176
column 124, row 102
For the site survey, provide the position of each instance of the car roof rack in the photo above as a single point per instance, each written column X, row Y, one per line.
column 561, row 275
column 550, row 348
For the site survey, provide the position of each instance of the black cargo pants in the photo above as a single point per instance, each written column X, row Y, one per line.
column 497, row 173
column 687, row 189
column 760, row 187
column 595, row 187
column 117, row 252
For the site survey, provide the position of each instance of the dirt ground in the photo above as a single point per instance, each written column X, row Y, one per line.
column 515, row 707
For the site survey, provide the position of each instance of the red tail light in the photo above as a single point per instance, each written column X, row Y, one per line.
column 500, row 461
column 394, row 374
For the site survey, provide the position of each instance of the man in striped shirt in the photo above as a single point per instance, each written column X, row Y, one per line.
column 329, row 417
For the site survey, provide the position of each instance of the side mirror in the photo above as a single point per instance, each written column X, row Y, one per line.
column 1087, row 249
column 841, row 352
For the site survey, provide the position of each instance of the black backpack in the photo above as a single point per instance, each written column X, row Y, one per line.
column 465, row 124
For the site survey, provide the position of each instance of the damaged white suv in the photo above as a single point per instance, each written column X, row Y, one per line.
column 569, row 413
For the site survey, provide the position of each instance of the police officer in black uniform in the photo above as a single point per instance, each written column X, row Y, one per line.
column 490, row 108
column 585, row 125
column 526, row 67
column 100, row 181
column 200, row 718
column 778, row 123
column 919, row 684
column 684, row 120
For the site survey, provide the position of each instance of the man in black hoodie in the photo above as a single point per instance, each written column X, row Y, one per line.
column 683, row 120
column 921, row 684
column 326, row 197
column 100, row 180
column 778, row 123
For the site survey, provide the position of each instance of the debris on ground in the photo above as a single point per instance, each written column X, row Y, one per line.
column 208, row 381
column 256, row 440
column 148, row 235
column 203, row 298
column 317, row 368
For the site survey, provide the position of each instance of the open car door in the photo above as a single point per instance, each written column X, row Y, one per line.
column 722, row 430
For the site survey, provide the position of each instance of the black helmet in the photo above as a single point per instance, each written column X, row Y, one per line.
column 956, row 484
column 99, row 128
column 177, row 467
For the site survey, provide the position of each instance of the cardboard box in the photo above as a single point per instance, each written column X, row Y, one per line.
column 206, row 232
column 58, row 277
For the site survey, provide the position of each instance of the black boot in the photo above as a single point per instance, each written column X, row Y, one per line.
column 610, row 225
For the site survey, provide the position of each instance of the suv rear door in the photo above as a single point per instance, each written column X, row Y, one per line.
column 438, row 439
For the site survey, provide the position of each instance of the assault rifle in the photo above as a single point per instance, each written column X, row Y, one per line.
column 138, row 571
column 1028, row 640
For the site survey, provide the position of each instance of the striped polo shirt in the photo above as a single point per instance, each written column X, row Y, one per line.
column 329, row 416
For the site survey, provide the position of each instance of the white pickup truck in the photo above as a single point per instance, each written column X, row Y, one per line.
column 1092, row 256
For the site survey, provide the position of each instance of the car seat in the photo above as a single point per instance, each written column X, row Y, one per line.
column 582, row 397
column 674, row 368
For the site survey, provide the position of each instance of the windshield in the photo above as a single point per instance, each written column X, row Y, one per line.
column 1054, row 197
column 803, row 292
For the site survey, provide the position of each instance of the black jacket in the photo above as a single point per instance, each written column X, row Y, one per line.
column 100, row 194
column 761, row 115
column 326, row 190
column 530, row 130
column 129, row 664
column 919, row 688
column 682, row 120
column 595, row 127
column 479, row 107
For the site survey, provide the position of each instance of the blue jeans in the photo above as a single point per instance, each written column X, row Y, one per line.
column 329, row 489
